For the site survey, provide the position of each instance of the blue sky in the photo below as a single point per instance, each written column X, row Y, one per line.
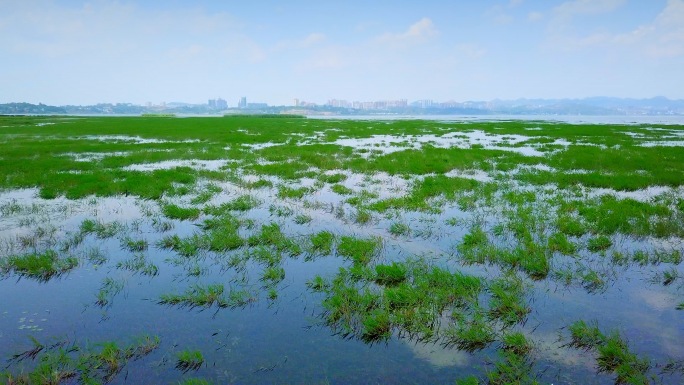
column 83, row 52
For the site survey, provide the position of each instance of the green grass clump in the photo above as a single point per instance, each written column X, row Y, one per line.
column 341, row 189
column 41, row 267
column 669, row 276
column 187, row 247
column 559, row 242
column 585, row 336
column 470, row 380
column 599, row 243
column 205, row 195
column 317, row 284
column 570, row 226
column 302, row 219
column 359, row 250
column 265, row 255
column 517, row 343
column 592, row 281
column 475, row 238
column 260, row 183
column 470, row 333
column 293, row 193
column 139, row 264
column 608, row 215
column 423, row 191
column 411, row 298
column 108, row 290
column 399, row 228
column 271, row 235
column 512, row 368
column 197, row 296
column 100, row 229
column 223, row 239
column 362, row 217
column 533, row 260
column 61, row 362
column 507, row 302
column 187, row 360
column 241, row 203
column 273, row 275
column 281, row 211
column 221, row 233
column 376, row 326
column 332, row 178
column 173, row 211
column 613, row 354
column 161, row 225
column 194, row 381
column 390, row 275
column 321, row 243
column 134, row 245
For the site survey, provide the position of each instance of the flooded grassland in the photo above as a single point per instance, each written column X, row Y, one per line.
column 289, row 250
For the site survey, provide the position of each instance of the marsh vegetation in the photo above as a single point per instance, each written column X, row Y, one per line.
column 263, row 250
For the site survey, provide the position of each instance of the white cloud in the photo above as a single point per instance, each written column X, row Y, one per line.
column 667, row 31
column 470, row 51
column 662, row 37
column 327, row 58
column 421, row 31
column 499, row 15
column 54, row 30
column 535, row 16
column 573, row 8
column 307, row 42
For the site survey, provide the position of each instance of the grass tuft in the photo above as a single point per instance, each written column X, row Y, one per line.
column 41, row 267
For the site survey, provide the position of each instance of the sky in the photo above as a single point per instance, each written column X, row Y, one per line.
column 61, row 52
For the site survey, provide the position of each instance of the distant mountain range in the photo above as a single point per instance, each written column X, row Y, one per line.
column 591, row 106
column 587, row 106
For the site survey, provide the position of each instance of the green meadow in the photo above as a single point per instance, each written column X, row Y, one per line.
column 281, row 249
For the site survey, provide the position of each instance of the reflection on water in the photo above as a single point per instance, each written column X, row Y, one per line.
column 280, row 335
column 387, row 144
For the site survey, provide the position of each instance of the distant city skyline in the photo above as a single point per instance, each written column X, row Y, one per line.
column 72, row 52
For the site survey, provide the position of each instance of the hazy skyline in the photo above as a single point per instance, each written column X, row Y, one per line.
column 78, row 52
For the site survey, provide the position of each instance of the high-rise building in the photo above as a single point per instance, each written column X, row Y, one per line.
column 218, row 104
column 221, row 104
column 243, row 102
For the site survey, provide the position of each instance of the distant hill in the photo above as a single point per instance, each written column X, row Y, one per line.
column 590, row 106
column 28, row 108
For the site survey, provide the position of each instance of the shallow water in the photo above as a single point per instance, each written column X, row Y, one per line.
column 285, row 340
column 387, row 144
column 271, row 341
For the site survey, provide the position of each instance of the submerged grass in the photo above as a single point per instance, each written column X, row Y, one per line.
column 139, row 264
column 173, row 211
column 208, row 296
column 359, row 250
column 518, row 220
column 65, row 362
column 40, row 266
column 187, row 360
column 613, row 353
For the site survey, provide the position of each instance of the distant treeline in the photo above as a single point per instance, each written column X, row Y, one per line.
column 28, row 108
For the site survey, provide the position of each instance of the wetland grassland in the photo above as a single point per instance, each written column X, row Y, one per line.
column 255, row 250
